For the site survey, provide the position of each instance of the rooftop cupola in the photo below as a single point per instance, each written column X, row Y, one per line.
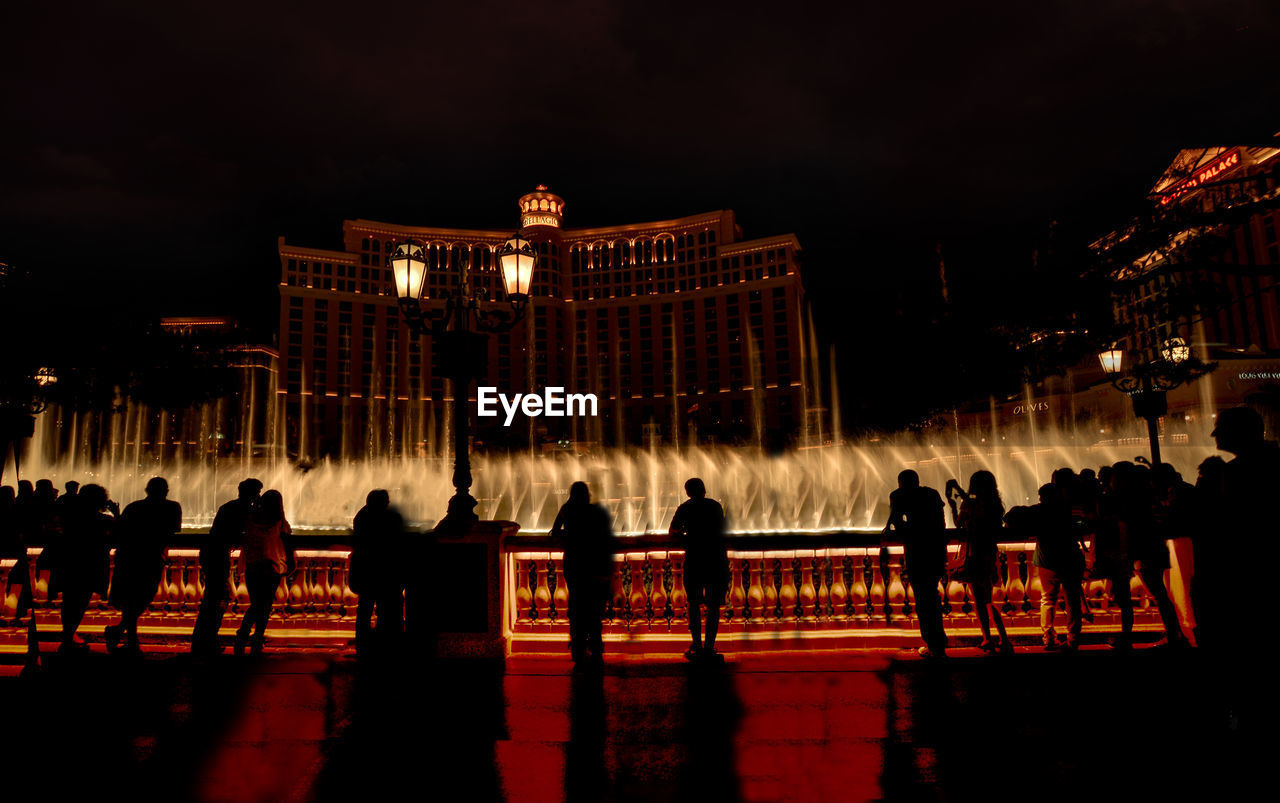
column 541, row 208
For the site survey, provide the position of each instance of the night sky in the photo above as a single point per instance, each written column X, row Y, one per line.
column 152, row 152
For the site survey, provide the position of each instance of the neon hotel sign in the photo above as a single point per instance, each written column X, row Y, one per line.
column 1205, row 174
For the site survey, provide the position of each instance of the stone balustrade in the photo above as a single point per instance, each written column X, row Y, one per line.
column 782, row 587
column 316, row 602
column 774, row 595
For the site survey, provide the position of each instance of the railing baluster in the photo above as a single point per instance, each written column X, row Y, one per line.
column 839, row 586
column 896, row 591
column 755, row 593
column 807, row 594
column 542, row 594
column 658, row 595
column 560, row 597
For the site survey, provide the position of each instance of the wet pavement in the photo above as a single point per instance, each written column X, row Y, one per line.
column 766, row 727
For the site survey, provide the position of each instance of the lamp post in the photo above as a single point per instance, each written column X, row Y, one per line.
column 1148, row 383
column 460, row 330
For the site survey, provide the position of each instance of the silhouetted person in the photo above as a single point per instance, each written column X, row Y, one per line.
column 1127, row 539
column 1239, row 597
column 377, row 570
column 36, row 511
column 915, row 516
column 264, row 560
column 45, row 494
column 1211, row 547
column 226, row 533
column 1148, row 548
column 11, row 544
column 13, row 547
column 143, row 531
column 1251, row 484
column 980, row 521
column 79, row 564
column 1058, row 560
column 699, row 525
column 71, row 488
column 588, row 569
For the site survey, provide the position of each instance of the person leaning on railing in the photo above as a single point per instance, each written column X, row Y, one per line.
column 265, row 560
column 226, row 533
column 77, row 559
column 141, row 535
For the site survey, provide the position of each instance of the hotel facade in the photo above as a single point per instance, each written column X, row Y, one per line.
column 1202, row 264
column 681, row 327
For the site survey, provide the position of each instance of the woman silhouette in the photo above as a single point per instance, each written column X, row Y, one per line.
column 980, row 520
column 264, row 560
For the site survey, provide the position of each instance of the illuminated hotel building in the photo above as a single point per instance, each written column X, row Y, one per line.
column 679, row 327
column 1203, row 265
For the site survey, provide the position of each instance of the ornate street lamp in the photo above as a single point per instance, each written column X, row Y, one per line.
column 517, row 256
column 1148, row 383
column 409, row 269
column 460, row 331
column 1175, row 350
column 1112, row 360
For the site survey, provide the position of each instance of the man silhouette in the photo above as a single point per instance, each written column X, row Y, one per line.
column 68, row 496
column 1251, row 482
column 915, row 516
column 588, row 569
column 699, row 524
column 1239, row 559
column 377, row 555
column 215, row 565
column 144, row 530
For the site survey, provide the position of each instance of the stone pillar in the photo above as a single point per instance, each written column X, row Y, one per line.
column 461, row 606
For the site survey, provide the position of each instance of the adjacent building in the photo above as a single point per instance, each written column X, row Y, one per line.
column 681, row 327
column 1202, row 264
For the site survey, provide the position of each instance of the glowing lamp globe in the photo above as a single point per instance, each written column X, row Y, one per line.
column 1175, row 350
column 409, row 269
column 1112, row 361
column 516, row 257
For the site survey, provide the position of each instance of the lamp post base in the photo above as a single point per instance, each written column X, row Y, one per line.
column 461, row 515
column 466, row 610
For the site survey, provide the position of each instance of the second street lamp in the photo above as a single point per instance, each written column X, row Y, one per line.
column 460, row 335
column 1148, row 383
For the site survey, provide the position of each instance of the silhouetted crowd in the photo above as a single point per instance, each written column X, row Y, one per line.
column 1110, row 525
column 1105, row 525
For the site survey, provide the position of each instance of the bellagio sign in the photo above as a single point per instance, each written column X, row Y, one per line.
column 1202, row 175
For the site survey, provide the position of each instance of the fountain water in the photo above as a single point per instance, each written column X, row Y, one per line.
column 825, row 483
column 822, row 487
